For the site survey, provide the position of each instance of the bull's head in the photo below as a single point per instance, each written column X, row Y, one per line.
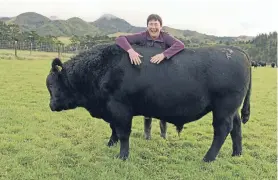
column 61, row 96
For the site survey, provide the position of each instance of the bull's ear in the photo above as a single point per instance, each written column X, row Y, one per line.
column 57, row 65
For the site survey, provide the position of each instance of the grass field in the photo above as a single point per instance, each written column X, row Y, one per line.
column 65, row 40
column 36, row 143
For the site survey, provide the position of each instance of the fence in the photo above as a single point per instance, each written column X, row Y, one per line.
column 46, row 47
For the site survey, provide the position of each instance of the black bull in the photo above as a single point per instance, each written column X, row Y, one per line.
column 179, row 90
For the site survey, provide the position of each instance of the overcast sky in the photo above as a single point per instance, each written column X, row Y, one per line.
column 215, row 17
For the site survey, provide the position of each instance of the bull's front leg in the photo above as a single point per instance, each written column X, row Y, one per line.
column 123, row 131
column 122, row 121
column 113, row 138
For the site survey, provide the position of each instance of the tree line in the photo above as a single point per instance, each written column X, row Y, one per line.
column 11, row 37
column 264, row 47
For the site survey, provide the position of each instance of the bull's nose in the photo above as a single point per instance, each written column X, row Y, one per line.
column 54, row 107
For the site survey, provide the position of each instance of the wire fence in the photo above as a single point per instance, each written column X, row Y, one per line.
column 48, row 47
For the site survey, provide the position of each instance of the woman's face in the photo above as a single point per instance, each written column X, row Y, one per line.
column 154, row 28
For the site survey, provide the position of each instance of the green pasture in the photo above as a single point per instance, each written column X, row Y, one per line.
column 36, row 143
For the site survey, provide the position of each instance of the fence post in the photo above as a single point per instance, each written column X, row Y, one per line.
column 31, row 48
column 15, row 48
column 59, row 50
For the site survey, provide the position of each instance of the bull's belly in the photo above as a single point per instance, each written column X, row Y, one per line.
column 189, row 107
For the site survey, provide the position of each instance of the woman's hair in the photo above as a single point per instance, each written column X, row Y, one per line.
column 154, row 17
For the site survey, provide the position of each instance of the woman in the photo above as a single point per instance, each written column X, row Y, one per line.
column 152, row 37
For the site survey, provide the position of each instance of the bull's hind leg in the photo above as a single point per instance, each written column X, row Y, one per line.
column 223, row 117
column 163, row 128
column 236, row 136
column 114, row 138
column 147, row 127
column 222, row 127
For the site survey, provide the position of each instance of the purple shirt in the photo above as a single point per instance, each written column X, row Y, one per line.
column 171, row 45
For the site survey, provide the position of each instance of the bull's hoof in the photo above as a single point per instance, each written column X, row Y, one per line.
column 236, row 153
column 111, row 143
column 147, row 137
column 163, row 136
column 208, row 159
column 122, row 156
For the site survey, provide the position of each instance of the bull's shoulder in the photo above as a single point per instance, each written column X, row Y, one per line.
column 111, row 81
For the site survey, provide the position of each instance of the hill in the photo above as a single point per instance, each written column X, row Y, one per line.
column 29, row 21
column 107, row 24
column 4, row 19
column 110, row 24
column 32, row 21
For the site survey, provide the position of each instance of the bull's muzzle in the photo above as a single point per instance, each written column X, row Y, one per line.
column 54, row 107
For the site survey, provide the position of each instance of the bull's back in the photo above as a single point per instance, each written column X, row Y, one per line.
column 214, row 67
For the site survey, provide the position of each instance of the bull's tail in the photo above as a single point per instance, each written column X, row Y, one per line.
column 245, row 111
